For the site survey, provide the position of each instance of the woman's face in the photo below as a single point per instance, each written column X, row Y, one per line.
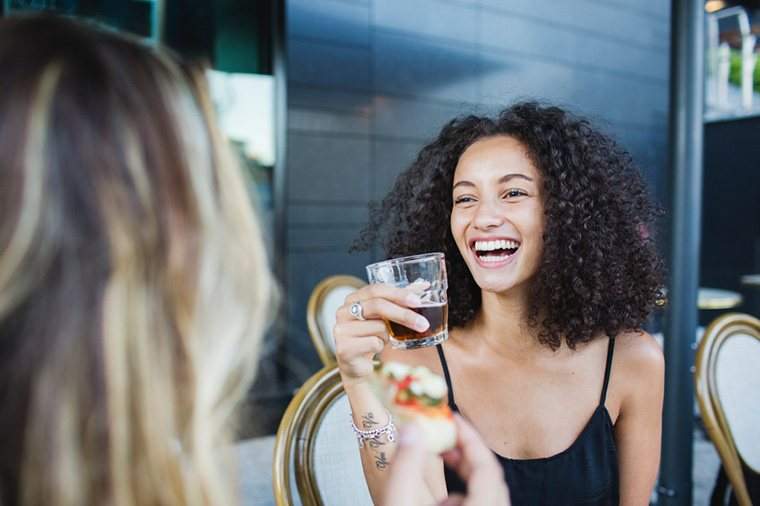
column 497, row 218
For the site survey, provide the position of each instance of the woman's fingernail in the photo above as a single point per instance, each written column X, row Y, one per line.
column 413, row 299
column 421, row 324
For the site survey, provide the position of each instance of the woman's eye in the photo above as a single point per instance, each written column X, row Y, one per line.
column 464, row 200
column 514, row 193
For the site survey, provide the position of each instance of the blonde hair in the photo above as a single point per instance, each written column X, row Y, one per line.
column 134, row 286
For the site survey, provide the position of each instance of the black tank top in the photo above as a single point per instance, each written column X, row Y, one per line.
column 585, row 473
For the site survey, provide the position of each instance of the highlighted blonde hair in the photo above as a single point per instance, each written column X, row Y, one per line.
column 134, row 286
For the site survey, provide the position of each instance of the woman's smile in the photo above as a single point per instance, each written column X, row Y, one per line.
column 494, row 252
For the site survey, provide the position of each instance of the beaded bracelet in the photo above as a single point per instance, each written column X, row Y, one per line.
column 389, row 430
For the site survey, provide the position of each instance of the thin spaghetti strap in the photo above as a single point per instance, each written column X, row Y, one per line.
column 446, row 376
column 607, row 370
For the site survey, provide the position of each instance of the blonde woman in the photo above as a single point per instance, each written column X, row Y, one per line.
column 133, row 282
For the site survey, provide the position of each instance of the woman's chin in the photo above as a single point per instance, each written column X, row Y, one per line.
column 497, row 286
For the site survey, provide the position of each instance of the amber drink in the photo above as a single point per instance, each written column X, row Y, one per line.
column 425, row 275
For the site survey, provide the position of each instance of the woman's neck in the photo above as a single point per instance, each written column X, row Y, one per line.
column 502, row 324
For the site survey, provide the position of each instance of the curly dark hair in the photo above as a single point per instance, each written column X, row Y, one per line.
column 600, row 270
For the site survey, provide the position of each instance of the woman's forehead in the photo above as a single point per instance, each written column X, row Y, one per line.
column 492, row 158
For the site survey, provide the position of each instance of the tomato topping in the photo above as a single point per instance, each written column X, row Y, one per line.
column 406, row 399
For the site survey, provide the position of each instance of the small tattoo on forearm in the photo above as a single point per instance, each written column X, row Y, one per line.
column 381, row 461
column 368, row 421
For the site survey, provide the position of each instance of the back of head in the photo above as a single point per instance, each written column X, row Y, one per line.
column 133, row 281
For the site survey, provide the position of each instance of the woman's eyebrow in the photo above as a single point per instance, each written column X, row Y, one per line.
column 503, row 179
column 463, row 183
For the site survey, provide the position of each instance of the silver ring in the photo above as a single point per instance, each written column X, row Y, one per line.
column 357, row 311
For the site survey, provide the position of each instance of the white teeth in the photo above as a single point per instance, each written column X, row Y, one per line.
column 493, row 258
column 494, row 245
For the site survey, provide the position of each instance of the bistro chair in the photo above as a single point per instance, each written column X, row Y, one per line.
column 324, row 301
column 727, row 379
column 314, row 444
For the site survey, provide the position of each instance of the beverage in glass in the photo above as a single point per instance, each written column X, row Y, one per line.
column 425, row 275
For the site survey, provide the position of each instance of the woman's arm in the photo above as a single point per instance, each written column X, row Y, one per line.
column 377, row 455
column 356, row 343
column 638, row 428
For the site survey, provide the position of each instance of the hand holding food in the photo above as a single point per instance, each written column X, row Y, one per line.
column 470, row 459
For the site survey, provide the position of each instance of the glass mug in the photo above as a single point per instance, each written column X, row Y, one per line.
column 428, row 272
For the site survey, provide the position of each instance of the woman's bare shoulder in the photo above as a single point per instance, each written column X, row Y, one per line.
column 639, row 349
column 639, row 360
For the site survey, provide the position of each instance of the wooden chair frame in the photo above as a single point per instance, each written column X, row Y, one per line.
column 296, row 435
column 326, row 354
column 710, row 406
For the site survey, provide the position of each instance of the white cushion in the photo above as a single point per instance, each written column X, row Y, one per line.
column 255, row 471
column 331, row 301
column 337, row 465
column 738, row 383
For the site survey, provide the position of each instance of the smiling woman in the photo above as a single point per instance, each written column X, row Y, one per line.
column 594, row 201
column 546, row 227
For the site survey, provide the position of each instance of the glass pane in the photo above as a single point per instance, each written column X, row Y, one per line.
column 234, row 37
column 137, row 16
column 244, row 104
column 732, row 76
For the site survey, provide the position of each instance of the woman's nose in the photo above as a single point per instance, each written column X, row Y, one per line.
column 488, row 217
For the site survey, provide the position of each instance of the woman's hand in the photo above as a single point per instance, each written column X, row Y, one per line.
column 357, row 341
column 471, row 459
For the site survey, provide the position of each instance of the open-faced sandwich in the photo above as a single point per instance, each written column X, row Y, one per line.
column 419, row 395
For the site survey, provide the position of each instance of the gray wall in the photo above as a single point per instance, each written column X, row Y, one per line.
column 370, row 81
